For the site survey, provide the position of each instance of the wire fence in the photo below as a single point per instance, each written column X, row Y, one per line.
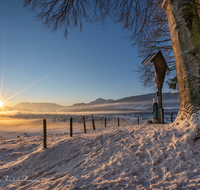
column 68, row 126
column 61, row 124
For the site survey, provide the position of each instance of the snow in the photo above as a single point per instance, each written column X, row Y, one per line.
column 145, row 156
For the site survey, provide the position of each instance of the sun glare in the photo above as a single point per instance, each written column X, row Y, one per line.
column 1, row 104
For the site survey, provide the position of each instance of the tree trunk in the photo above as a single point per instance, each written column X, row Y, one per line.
column 184, row 26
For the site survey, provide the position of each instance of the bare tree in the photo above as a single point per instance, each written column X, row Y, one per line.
column 68, row 14
column 157, row 37
column 137, row 17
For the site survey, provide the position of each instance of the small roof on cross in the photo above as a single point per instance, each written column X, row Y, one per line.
column 160, row 65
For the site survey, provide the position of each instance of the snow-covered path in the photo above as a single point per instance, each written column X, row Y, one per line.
column 133, row 157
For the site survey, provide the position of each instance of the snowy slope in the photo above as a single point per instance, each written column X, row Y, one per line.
column 133, row 157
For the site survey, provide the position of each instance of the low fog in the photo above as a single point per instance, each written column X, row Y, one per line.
column 15, row 124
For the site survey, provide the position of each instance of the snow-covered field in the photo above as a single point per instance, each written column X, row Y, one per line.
column 145, row 156
column 17, row 124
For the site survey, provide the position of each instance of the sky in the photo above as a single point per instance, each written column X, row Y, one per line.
column 37, row 65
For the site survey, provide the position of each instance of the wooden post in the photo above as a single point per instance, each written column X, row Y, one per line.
column 93, row 124
column 71, row 127
column 44, row 134
column 105, row 121
column 118, row 121
column 171, row 117
column 138, row 121
column 84, row 126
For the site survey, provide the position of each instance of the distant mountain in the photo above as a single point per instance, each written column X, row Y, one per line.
column 148, row 97
column 132, row 103
column 27, row 106
column 97, row 101
column 79, row 104
column 101, row 101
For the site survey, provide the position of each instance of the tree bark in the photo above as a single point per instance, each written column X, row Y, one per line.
column 184, row 26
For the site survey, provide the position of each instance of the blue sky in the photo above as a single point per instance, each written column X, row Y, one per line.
column 39, row 66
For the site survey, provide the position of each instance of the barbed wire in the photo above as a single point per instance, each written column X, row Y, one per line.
column 61, row 127
column 36, row 132
column 62, row 131
column 88, row 124
column 1, row 137
column 19, row 130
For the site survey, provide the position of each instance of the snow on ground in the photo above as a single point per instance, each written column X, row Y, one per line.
column 146, row 156
column 13, row 126
column 16, row 124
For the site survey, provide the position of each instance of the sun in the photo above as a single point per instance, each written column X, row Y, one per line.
column 1, row 104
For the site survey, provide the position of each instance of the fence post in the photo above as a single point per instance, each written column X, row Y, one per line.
column 93, row 124
column 138, row 121
column 84, row 126
column 71, row 127
column 44, row 134
column 105, row 121
column 171, row 117
column 118, row 121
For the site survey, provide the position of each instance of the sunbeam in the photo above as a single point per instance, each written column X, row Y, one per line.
column 50, row 74
column 35, row 83
column 4, row 50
